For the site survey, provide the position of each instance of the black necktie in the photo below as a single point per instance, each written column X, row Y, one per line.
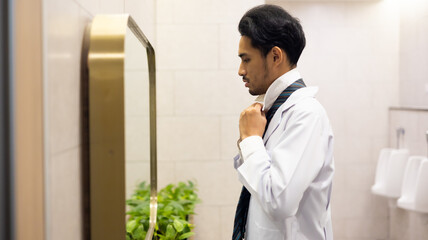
column 244, row 199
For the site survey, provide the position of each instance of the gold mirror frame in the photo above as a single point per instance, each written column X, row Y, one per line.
column 106, row 123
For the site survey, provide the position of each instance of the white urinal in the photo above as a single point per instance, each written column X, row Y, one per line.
column 382, row 165
column 390, row 172
column 414, row 193
column 421, row 198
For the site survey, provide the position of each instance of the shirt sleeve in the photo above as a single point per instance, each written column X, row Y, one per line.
column 237, row 160
column 250, row 144
column 279, row 178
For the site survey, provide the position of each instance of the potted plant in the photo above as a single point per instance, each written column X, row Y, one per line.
column 176, row 203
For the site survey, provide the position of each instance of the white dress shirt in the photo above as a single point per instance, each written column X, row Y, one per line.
column 289, row 172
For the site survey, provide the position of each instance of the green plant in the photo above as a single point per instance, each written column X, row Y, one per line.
column 175, row 204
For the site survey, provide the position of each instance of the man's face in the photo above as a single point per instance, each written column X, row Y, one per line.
column 254, row 68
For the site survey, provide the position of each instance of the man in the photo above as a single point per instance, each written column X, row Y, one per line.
column 286, row 142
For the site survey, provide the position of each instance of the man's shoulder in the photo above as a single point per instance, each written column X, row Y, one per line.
column 308, row 108
column 303, row 102
column 308, row 105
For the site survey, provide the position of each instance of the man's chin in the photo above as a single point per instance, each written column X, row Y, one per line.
column 254, row 93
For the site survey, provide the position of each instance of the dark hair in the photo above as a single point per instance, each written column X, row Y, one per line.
column 268, row 26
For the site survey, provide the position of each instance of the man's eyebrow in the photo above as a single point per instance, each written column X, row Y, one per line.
column 242, row 55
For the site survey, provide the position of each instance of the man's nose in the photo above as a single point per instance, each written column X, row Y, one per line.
column 241, row 71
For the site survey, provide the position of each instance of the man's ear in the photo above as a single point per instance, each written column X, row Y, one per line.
column 278, row 55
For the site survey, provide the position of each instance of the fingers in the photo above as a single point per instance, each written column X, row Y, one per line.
column 257, row 105
column 255, row 108
column 252, row 121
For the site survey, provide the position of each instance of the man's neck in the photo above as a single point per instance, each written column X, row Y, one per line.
column 284, row 70
column 281, row 72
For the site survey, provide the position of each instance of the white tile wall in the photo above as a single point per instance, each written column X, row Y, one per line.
column 217, row 183
column 166, row 173
column 227, row 216
column 188, row 138
column 164, row 132
column 165, row 93
column 414, row 53
column 137, row 93
column 232, row 11
column 62, row 36
column 137, row 125
column 192, row 138
column 187, row 47
column 207, row 214
column 91, row 6
column 371, row 228
column 228, row 47
column 111, row 6
column 137, row 138
column 65, row 211
column 226, row 95
column 229, row 134
column 192, row 97
column 136, row 172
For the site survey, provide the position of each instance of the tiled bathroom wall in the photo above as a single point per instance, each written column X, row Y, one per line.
column 352, row 54
column 63, row 25
column 200, row 97
column 414, row 53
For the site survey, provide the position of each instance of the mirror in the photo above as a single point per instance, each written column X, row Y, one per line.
column 122, row 123
column 137, row 113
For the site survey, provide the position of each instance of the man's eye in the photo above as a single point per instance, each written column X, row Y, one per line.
column 246, row 60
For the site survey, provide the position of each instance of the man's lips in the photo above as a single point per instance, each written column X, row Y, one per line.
column 246, row 82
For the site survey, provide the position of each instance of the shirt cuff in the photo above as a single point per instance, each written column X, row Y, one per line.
column 237, row 161
column 251, row 145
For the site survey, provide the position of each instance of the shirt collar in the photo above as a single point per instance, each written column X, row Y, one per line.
column 277, row 87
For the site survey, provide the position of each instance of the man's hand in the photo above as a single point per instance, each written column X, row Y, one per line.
column 252, row 121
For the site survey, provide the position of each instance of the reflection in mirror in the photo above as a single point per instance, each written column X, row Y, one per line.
column 137, row 115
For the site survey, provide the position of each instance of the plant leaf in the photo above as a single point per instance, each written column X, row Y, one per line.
column 178, row 225
column 139, row 233
column 186, row 235
column 131, row 226
column 170, row 232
